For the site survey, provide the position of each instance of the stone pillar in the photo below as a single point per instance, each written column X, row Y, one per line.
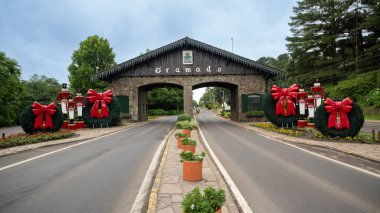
column 143, row 104
column 188, row 99
column 133, row 104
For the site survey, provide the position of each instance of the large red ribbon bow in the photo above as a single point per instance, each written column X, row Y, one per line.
column 285, row 97
column 42, row 111
column 96, row 98
column 342, row 108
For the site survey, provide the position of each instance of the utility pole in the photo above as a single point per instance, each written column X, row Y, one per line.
column 232, row 41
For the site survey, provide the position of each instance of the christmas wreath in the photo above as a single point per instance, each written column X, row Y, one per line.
column 279, row 106
column 41, row 118
column 339, row 119
column 102, row 109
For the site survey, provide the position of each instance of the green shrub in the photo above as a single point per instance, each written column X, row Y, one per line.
column 195, row 202
column 355, row 87
column 255, row 114
column 188, row 141
column 186, row 125
column 183, row 117
column 225, row 114
column 157, row 112
column 180, row 135
column 189, row 156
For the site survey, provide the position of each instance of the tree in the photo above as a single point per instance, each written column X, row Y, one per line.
column 214, row 97
column 167, row 98
column 94, row 55
column 42, row 89
column 317, row 26
column 11, row 90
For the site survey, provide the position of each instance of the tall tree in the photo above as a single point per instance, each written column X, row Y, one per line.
column 11, row 90
column 94, row 55
column 317, row 26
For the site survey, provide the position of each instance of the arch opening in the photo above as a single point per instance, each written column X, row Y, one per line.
column 220, row 97
column 159, row 98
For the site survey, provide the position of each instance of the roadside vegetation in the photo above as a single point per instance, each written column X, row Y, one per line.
column 23, row 138
column 310, row 133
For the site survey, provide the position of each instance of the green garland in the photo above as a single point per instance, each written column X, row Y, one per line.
column 280, row 121
column 113, row 115
column 27, row 119
column 355, row 117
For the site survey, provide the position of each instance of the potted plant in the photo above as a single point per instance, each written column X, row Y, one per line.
column 211, row 201
column 188, row 144
column 179, row 137
column 192, row 165
column 188, row 126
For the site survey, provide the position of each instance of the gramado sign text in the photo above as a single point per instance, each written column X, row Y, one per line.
column 177, row 70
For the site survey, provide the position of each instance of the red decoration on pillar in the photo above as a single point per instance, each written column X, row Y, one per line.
column 342, row 108
column 42, row 111
column 284, row 98
column 96, row 98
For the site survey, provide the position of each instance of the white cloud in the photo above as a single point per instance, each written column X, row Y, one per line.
column 42, row 34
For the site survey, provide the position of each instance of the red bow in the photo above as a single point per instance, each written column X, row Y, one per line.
column 285, row 105
column 96, row 98
column 42, row 111
column 338, row 107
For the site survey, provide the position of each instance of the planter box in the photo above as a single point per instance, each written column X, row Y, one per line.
column 190, row 148
column 179, row 144
column 187, row 131
column 192, row 170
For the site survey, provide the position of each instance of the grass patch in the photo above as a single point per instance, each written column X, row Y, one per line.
column 372, row 117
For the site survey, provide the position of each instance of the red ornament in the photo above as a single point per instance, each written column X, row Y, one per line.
column 342, row 108
column 284, row 97
column 42, row 111
column 96, row 98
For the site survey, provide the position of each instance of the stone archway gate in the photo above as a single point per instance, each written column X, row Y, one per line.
column 189, row 64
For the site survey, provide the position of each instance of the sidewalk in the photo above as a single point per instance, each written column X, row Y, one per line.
column 367, row 151
column 80, row 135
column 169, row 188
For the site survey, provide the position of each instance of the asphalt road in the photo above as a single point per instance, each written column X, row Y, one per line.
column 274, row 177
column 103, row 175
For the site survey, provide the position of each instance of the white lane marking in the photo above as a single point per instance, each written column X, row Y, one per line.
column 235, row 191
column 321, row 156
column 140, row 200
column 59, row 150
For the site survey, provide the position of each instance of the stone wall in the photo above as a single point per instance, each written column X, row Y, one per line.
column 241, row 84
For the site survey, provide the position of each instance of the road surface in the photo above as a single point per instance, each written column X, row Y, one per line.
column 275, row 177
column 103, row 175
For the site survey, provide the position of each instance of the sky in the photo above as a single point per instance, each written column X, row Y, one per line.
column 41, row 35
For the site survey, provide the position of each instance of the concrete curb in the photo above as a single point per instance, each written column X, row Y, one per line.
column 157, row 180
column 142, row 196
